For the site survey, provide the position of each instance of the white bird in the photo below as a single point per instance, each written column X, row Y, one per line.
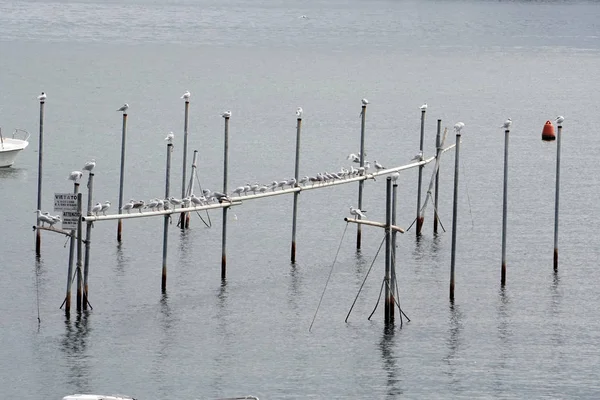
column 507, row 124
column 365, row 102
column 299, row 112
column 55, row 219
column 175, row 201
column 226, row 114
column 303, row 180
column 75, row 176
column 353, row 157
column 186, row 95
column 239, row 190
column 43, row 218
column 124, row 107
column 152, row 204
column 196, row 200
column 128, row 206
column 418, row 156
column 378, row 166
column 97, row 208
column 105, row 207
column 423, row 107
column 560, row 119
column 42, row 96
column 138, row 205
column 395, row 176
column 303, row 17
column 357, row 212
column 458, row 126
column 185, row 202
column 170, row 137
column 89, row 166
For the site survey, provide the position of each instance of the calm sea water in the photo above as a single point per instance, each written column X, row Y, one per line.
column 474, row 61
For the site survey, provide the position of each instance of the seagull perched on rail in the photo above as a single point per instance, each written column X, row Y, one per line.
column 226, row 114
column 75, row 176
column 458, row 127
column 357, row 212
column 186, row 95
column 89, row 166
column 128, row 206
column 123, row 108
column 560, row 119
column 97, row 208
column 42, row 97
column 170, row 137
column 417, row 157
column 378, row 166
column 105, row 207
column 507, row 124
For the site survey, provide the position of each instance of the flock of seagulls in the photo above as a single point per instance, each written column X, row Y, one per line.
column 46, row 218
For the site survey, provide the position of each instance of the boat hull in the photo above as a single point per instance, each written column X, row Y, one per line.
column 9, row 150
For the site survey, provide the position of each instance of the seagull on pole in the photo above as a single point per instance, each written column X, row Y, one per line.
column 507, row 124
column 186, row 95
column 364, row 102
column 560, row 119
column 226, row 114
column 75, row 176
column 170, row 137
column 299, row 112
column 458, row 127
column 89, row 166
column 123, row 108
column 423, row 107
column 42, row 97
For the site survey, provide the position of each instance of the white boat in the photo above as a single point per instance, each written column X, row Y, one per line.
column 10, row 147
column 97, row 397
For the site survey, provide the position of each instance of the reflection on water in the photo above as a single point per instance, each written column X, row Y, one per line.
column 74, row 346
column 295, row 284
column 505, row 337
column 390, row 363
column 167, row 338
column 454, row 341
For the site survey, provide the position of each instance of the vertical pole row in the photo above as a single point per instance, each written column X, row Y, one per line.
column 504, row 207
column 393, row 255
column 166, row 220
column 88, row 238
column 79, row 253
column 556, row 197
column 122, row 174
column 361, row 183
column 225, row 165
column 70, row 268
column 419, row 217
column 184, row 217
column 389, row 305
column 438, row 145
column 38, row 237
column 454, row 216
column 296, row 176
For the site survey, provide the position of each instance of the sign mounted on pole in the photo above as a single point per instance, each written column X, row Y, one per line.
column 70, row 220
column 65, row 202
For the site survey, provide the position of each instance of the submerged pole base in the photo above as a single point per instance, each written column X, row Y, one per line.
column 420, row 221
column 119, row 229
column 555, row 259
column 293, row 253
column 503, row 275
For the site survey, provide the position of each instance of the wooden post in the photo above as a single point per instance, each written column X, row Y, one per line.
column 226, row 115
column 419, row 217
column 296, row 176
column 361, row 183
column 454, row 215
column 556, row 197
column 504, row 207
column 184, row 217
column 389, row 301
column 166, row 220
column 38, row 236
column 122, row 174
column 88, row 238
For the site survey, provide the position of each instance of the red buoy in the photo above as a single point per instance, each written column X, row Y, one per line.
column 548, row 131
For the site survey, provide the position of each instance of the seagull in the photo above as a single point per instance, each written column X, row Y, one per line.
column 378, row 166
column 226, row 114
column 152, row 204
column 128, row 206
column 175, row 201
column 138, row 205
column 75, row 176
column 418, row 156
column 423, row 107
column 303, row 17
column 560, row 119
column 55, row 219
column 507, row 124
column 185, row 202
column 299, row 112
column 186, row 95
column 170, row 137
column 124, row 107
column 105, row 207
column 353, row 157
column 97, row 208
column 395, row 176
column 458, row 127
column 196, row 200
column 89, row 166
column 365, row 102
column 357, row 212
column 42, row 97
column 43, row 218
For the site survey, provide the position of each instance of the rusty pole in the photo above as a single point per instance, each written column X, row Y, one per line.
column 419, row 217
column 504, row 207
column 454, row 215
column 556, row 197
column 38, row 236
column 296, row 176
column 122, row 174
column 70, row 268
column 393, row 255
column 184, row 218
column 225, row 165
column 361, row 183
column 79, row 253
column 88, row 238
column 166, row 220
column 438, row 144
column 389, row 301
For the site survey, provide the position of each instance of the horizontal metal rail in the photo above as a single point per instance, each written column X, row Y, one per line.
column 373, row 223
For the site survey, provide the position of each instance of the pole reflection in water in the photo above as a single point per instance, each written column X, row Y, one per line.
column 390, row 362
column 454, row 341
column 74, row 347
column 295, row 284
column 505, row 340
column 167, row 338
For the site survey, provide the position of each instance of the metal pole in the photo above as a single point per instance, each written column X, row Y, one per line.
column 166, row 221
column 556, row 197
column 190, row 187
column 38, row 237
column 361, row 184
column 184, row 217
column 70, row 269
column 88, row 238
column 437, row 176
column 224, row 235
column 454, row 216
column 79, row 253
column 419, row 218
column 296, row 176
column 389, row 304
column 504, row 207
column 393, row 263
column 123, row 137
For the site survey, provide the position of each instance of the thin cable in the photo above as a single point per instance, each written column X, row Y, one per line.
column 364, row 280
column 330, row 272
